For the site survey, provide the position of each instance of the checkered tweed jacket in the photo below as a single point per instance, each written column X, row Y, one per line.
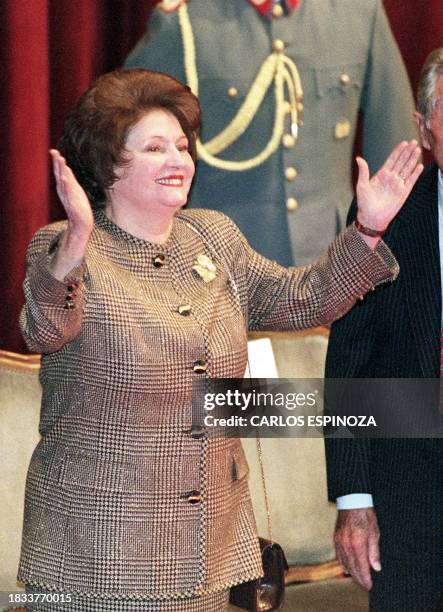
column 122, row 497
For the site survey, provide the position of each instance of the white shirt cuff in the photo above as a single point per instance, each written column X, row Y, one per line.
column 354, row 500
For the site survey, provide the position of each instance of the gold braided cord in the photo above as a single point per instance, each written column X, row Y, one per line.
column 295, row 93
column 295, row 75
column 248, row 109
column 269, row 149
column 278, row 68
column 188, row 42
column 290, row 88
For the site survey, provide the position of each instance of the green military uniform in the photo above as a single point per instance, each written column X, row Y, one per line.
column 291, row 206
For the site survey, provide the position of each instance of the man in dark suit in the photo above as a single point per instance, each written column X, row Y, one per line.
column 389, row 492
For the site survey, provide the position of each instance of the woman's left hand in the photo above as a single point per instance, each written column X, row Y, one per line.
column 380, row 198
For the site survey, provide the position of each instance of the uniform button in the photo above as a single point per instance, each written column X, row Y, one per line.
column 278, row 45
column 288, row 141
column 193, row 497
column 197, row 432
column 70, row 297
column 291, row 204
column 200, row 366
column 232, row 92
column 158, row 260
column 184, row 310
column 72, row 287
column 69, row 305
column 277, row 10
column 290, row 173
column 345, row 79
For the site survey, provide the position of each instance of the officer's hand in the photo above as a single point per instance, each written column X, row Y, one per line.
column 169, row 6
column 356, row 539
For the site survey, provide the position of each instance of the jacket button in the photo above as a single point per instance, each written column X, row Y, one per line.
column 232, row 92
column 345, row 79
column 193, row 497
column 54, row 246
column 158, row 260
column 197, row 432
column 200, row 366
column 184, row 310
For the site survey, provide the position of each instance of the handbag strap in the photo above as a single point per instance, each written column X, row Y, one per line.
column 260, row 460
column 262, row 472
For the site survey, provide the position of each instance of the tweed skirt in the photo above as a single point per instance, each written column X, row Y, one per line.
column 215, row 602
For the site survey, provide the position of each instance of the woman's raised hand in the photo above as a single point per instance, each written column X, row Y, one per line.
column 71, row 250
column 380, row 198
column 73, row 197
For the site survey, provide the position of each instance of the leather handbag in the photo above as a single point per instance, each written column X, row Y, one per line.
column 267, row 593
column 264, row 594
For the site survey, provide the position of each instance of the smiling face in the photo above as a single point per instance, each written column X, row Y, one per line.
column 160, row 172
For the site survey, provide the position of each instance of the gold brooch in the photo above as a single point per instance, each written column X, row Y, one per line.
column 205, row 268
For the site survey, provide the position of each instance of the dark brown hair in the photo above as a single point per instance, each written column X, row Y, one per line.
column 93, row 141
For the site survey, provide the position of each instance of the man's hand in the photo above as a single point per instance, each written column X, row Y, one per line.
column 169, row 6
column 356, row 539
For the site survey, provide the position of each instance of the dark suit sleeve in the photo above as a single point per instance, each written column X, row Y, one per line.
column 349, row 355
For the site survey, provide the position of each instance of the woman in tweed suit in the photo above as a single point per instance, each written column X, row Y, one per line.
column 127, row 506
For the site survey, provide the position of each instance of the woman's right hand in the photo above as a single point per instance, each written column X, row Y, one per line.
column 72, row 247
column 72, row 196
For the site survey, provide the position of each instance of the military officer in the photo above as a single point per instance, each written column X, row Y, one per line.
column 281, row 85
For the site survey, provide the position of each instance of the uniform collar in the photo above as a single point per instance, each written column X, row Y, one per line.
column 264, row 7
